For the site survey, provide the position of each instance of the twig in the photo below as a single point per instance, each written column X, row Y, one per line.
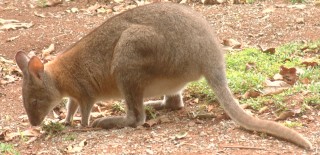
column 243, row 147
column 82, row 130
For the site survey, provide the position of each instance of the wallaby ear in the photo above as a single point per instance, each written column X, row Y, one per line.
column 22, row 60
column 35, row 67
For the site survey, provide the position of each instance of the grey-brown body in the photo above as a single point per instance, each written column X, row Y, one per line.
column 148, row 51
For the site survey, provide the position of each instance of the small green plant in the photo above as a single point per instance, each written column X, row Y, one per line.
column 201, row 89
column 51, row 128
column 297, row 1
column 313, row 100
column 118, row 107
column 6, row 148
column 22, row 136
column 150, row 112
column 291, row 124
column 250, row 1
column 70, row 137
column 42, row 3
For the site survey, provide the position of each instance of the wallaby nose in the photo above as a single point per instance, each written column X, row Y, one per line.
column 35, row 121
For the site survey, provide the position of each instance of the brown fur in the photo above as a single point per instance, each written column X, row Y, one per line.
column 147, row 51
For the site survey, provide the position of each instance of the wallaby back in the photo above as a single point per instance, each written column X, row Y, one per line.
column 148, row 51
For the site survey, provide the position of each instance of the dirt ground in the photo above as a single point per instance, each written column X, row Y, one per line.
column 266, row 23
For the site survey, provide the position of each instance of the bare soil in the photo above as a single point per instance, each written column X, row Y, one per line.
column 267, row 23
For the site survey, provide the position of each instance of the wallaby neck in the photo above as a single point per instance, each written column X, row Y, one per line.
column 59, row 71
column 80, row 72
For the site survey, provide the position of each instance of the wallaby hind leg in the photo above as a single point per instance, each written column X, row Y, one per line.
column 171, row 102
column 128, row 68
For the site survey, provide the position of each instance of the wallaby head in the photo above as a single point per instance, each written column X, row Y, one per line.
column 37, row 97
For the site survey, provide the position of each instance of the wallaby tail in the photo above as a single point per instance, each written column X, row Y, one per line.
column 220, row 87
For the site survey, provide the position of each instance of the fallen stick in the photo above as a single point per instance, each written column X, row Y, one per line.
column 243, row 147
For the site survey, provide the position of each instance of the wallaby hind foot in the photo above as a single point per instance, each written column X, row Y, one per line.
column 170, row 102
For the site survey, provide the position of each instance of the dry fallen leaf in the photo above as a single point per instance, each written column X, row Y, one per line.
column 32, row 132
column 39, row 14
column 14, row 26
column 31, row 54
column 263, row 109
column 9, row 71
column 273, row 90
column 32, row 139
column 73, row 10
column 3, row 134
column 268, row 10
column 10, row 136
column 218, row 119
column 183, row 1
column 97, row 115
column 140, row 3
column 274, row 87
column 7, row 21
column 164, row 119
column 93, row 8
column 212, row 2
column 191, row 123
column 12, row 38
column 48, row 3
column 76, row 148
column 210, row 108
column 48, row 51
column 250, row 65
column 181, row 135
column 284, row 115
column 289, row 75
column 118, row 1
column 300, row 20
column 232, row 43
column 269, row 83
column 151, row 123
column 251, row 94
column 310, row 64
column 196, row 100
column 271, row 50
column 297, row 6
column 305, row 81
column 277, row 77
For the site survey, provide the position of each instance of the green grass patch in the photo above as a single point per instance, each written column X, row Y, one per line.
column 263, row 66
column 151, row 113
column 42, row 3
column 70, row 137
column 6, row 148
column 297, row 1
column 291, row 124
column 118, row 107
column 312, row 100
